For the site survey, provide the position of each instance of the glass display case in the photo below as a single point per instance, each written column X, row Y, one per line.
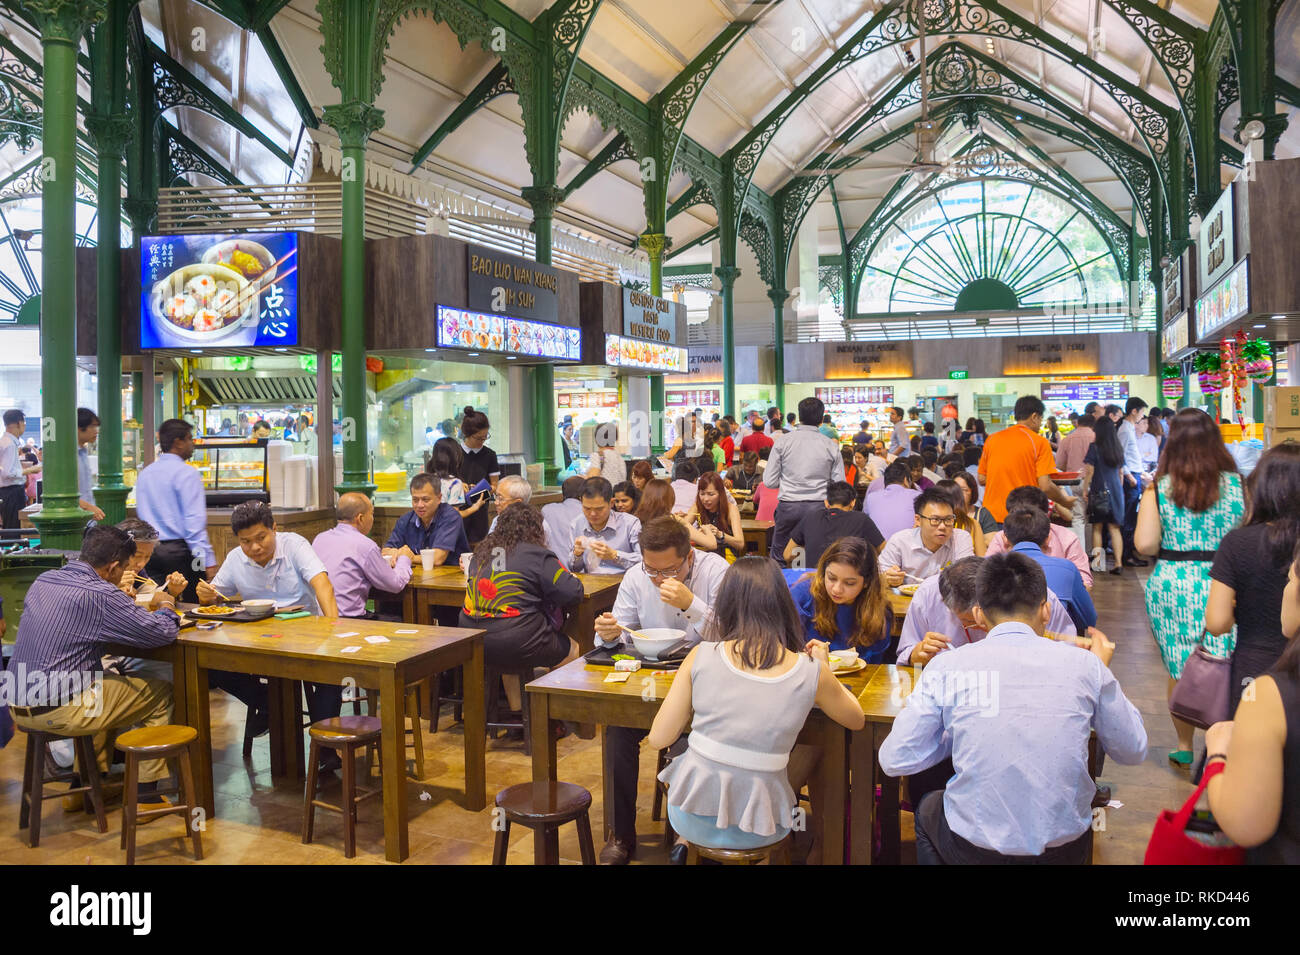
column 233, row 469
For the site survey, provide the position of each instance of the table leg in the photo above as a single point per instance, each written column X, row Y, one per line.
column 606, row 785
column 286, row 757
column 408, row 604
column 891, row 837
column 862, row 793
column 543, row 737
column 475, row 713
column 392, row 713
column 200, row 717
column 834, row 773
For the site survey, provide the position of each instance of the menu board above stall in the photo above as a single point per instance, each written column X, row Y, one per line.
column 587, row 399
column 632, row 353
column 1227, row 299
column 706, row 398
column 219, row 291
column 1077, row 354
column 1175, row 337
column 866, row 395
column 1104, row 391
column 475, row 331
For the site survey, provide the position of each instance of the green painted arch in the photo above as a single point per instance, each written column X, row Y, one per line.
column 1006, row 250
column 986, row 295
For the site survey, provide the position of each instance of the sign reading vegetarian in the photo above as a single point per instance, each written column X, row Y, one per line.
column 507, row 284
column 219, row 291
column 649, row 317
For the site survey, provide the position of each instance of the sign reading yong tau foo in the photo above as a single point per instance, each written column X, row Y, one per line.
column 867, row 360
column 649, row 317
column 507, row 284
column 1075, row 355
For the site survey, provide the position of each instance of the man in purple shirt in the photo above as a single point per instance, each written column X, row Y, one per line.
column 353, row 560
column 891, row 508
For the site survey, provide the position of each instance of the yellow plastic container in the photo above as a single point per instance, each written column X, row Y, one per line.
column 1233, row 432
column 389, row 482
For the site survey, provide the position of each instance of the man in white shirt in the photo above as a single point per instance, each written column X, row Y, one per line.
column 604, row 540
column 924, row 550
column 672, row 586
column 1134, row 410
column 13, row 473
column 900, row 441
column 559, row 516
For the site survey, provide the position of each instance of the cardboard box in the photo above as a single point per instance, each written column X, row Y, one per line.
column 1282, row 407
column 1275, row 436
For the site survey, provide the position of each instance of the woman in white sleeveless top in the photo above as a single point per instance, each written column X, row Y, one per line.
column 746, row 695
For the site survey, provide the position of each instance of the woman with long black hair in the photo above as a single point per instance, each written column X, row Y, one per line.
column 1103, row 468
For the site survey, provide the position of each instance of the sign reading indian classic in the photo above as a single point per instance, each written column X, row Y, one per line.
column 649, row 317
column 868, row 360
column 1076, row 355
column 501, row 284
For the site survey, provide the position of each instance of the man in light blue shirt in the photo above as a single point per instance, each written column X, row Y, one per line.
column 1014, row 711
column 169, row 496
column 280, row 566
column 605, row 541
column 1027, row 530
column 800, row 466
column 87, row 432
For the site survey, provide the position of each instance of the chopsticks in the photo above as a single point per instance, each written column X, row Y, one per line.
column 635, row 633
column 257, row 287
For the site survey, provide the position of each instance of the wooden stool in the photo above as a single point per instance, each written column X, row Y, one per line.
column 345, row 734
column 657, row 809
column 778, row 853
column 543, row 808
column 34, row 780
column 496, row 716
column 456, row 699
column 414, row 731
column 158, row 742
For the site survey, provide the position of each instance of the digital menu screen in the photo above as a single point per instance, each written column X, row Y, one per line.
column 707, row 398
column 476, row 331
column 862, row 395
column 219, row 291
column 587, row 399
column 1227, row 299
column 1107, row 392
column 635, row 353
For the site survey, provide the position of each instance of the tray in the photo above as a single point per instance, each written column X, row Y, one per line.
column 604, row 657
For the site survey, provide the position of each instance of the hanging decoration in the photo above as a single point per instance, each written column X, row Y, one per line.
column 1171, row 381
column 1208, row 371
column 1257, row 356
column 1233, row 376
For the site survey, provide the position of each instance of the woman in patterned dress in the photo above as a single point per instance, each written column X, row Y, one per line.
column 1195, row 500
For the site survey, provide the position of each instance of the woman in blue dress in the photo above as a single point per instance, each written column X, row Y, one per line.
column 842, row 603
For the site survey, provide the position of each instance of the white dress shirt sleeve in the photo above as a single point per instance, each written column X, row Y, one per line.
column 917, row 739
column 194, row 513
column 772, row 473
column 631, row 595
column 1118, row 723
column 892, row 554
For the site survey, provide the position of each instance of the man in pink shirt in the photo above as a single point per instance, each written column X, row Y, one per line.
column 1061, row 542
column 353, row 560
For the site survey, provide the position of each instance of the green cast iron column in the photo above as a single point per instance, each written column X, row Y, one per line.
column 354, row 121
column 111, row 128
column 544, row 199
column 62, row 23
column 778, row 297
column 654, row 244
column 728, row 275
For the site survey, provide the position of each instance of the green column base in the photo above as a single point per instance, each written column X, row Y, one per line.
column 353, row 483
column 112, row 501
column 61, row 527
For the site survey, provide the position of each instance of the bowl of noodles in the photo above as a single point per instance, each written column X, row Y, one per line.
column 202, row 303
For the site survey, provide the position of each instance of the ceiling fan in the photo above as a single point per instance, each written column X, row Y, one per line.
column 927, row 130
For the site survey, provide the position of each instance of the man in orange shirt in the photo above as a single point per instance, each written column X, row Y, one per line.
column 1018, row 456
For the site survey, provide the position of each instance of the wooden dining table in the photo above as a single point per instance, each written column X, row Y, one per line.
column 758, row 536
column 578, row 692
column 445, row 587
column 311, row 649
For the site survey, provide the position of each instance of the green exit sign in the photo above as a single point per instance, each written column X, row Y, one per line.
column 959, row 375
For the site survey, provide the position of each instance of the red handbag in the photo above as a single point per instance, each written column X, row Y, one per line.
column 1171, row 845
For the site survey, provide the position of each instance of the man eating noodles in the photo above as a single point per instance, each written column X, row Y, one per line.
column 924, row 550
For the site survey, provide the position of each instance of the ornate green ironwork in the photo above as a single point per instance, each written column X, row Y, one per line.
column 498, row 82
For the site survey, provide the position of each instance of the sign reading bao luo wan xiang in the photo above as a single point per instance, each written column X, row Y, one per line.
column 649, row 317
column 510, row 285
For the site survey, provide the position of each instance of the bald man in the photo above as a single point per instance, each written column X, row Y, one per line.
column 353, row 560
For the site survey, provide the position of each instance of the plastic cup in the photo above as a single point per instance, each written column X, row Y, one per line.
column 427, row 558
column 464, row 563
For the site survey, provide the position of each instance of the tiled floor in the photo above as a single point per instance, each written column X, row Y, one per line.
column 257, row 823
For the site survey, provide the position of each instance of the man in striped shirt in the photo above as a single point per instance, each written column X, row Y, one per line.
column 71, row 615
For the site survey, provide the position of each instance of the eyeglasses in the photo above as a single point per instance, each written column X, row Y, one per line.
column 664, row 575
column 941, row 521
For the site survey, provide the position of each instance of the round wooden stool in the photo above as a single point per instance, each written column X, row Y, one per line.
column 159, row 742
column 34, row 780
column 778, row 853
column 543, row 808
column 345, row 734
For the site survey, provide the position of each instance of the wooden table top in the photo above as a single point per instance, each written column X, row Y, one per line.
column 898, row 602
column 880, row 689
column 449, row 577
column 749, row 524
column 323, row 638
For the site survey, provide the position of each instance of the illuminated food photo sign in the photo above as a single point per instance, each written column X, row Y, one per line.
column 477, row 331
column 634, row 353
column 219, row 291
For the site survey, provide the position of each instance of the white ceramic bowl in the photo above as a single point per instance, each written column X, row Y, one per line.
column 656, row 641
column 259, row 609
